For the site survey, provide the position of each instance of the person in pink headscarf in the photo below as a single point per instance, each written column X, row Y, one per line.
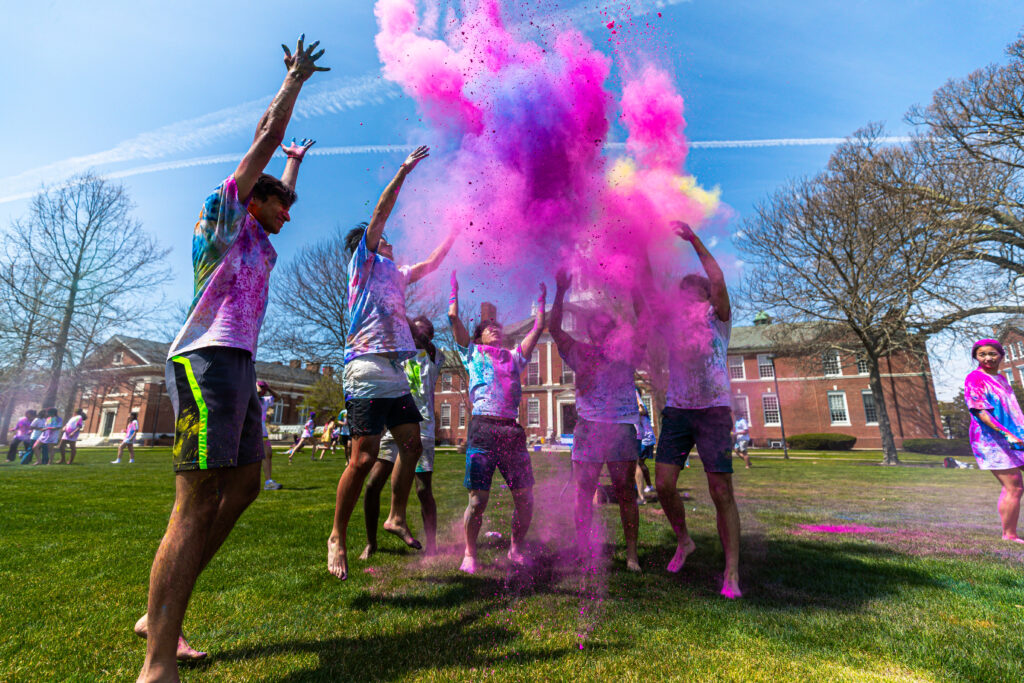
column 997, row 429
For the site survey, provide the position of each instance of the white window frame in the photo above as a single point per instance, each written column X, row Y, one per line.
column 1008, row 373
column 863, row 395
column 838, row 359
column 304, row 412
column 532, row 367
column 765, row 409
column 765, row 366
column 741, row 407
column 568, row 374
column 863, row 361
column 1009, row 352
column 118, row 358
column 462, row 415
column 731, row 360
column 533, row 412
column 1020, row 349
column 446, row 415
column 846, row 409
column 277, row 413
column 446, row 381
column 569, row 321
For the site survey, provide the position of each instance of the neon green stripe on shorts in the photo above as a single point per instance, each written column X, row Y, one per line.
column 203, row 412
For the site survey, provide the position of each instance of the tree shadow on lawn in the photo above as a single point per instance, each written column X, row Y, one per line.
column 463, row 642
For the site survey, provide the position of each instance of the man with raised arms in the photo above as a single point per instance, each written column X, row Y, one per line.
column 211, row 375
column 377, row 394
column 698, row 412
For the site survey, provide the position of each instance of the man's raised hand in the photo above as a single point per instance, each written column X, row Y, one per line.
column 303, row 63
column 562, row 280
column 298, row 150
column 418, row 154
column 453, row 298
column 683, row 230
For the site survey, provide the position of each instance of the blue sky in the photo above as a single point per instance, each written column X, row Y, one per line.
column 120, row 86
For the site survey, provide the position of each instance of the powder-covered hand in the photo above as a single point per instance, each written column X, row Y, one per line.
column 454, row 296
column 297, row 150
column 562, row 280
column 303, row 63
column 418, row 154
column 683, row 230
column 543, row 295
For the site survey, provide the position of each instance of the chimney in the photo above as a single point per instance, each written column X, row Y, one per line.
column 313, row 367
column 488, row 311
column 295, row 364
column 328, row 371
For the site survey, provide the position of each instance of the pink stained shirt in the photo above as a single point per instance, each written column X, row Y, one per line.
column 23, row 428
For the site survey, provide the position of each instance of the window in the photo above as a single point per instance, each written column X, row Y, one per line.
column 1020, row 349
column 741, row 408
column 446, row 416
column 1009, row 375
column 770, row 410
column 736, row 368
column 832, row 364
column 533, row 412
column 862, row 366
column 462, row 414
column 118, row 358
column 870, row 409
column 533, row 368
column 1009, row 352
column 647, row 404
column 765, row 366
column 837, row 408
column 446, row 381
column 303, row 414
column 568, row 376
column 569, row 321
column 277, row 416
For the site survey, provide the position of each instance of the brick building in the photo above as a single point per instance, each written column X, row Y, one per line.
column 126, row 375
column 1011, row 335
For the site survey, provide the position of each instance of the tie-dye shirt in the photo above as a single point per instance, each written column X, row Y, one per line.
column 604, row 387
column 23, row 428
column 495, row 386
column 994, row 394
column 701, row 381
column 376, row 305
column 72, row 428
column 52, row 432
column 131, row 431
column 232, row 258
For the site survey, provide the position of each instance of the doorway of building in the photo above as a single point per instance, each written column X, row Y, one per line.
column 568, row 418
column 108, row 423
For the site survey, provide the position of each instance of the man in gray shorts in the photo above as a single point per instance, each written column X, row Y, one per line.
column 698, row 412
column 422, row 371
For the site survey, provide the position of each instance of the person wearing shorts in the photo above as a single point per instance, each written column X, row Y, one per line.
column 741, row 438
column 307, row 436
column 495, row 438
column 70, row 436
column 326, row 439
column 422, row 372
column 129, row 439
column 606, row 430
column 343, row 433
column 698, row 413
column 377, row 343
column 210, row 372
column 267, row 398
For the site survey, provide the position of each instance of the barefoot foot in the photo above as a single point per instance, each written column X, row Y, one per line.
column 731, row 587
column 1015, row 539
column 186, row 653
column 516, row 556
column 633, row 564
column 368, row 551
column 468, row 565
column 337, row 562
column 682, row 551
column 403, row 533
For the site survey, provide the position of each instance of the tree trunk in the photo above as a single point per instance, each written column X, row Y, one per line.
column 60, row 347
column 884, row 425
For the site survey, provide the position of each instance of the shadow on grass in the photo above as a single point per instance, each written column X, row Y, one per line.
column 466, row 642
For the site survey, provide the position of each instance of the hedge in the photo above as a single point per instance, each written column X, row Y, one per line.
column 938, row 446
column 822, row 442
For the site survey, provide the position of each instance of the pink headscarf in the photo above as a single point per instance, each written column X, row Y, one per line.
column 987, row 342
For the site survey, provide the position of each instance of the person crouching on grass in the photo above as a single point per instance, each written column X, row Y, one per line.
column 997, row 430
column 495, row 438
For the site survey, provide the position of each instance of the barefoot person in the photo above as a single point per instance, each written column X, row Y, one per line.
column 698, row 412
column 422, row 372
column 741, row 435
column 129, row 440
column 495, row 439
column 997, row 430
column 267, row 398
column 211, row 376
column 377, row 393
column 70, row 437
column 606, row 430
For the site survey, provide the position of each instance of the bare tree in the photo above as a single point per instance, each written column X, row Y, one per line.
column 864, row 270
column 89, row 253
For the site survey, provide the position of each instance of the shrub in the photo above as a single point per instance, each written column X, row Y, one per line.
column 938, row 446
column 822, row 442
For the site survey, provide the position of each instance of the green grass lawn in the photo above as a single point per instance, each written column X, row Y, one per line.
column 930, row 594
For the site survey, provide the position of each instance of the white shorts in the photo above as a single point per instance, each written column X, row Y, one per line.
column 389, row 452
column 375, row 376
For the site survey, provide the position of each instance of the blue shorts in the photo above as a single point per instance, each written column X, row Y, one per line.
column 710, row 429
column 496, row 443
column 604, row 442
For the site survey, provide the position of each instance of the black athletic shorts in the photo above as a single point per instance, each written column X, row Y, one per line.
column 496, row 443
column 710, row 429
column 371, row 416
column 217, row 421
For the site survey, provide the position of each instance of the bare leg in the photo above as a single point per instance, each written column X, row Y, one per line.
column 63, row 444
column 379, row 475
column 349, row 487
column 120, row 450
column 74, row 452
column 522, row 515
column 473, row 520
column 267, row 453
column 131, row 453
column 428, row 508
column 1009, row 502
column 665, row 478
column 622, row 479
column 410, row 448
column 586, row 475
column 746, row 457
column 728, row 516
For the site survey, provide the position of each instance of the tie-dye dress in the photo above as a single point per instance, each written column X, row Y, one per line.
column 994, row 394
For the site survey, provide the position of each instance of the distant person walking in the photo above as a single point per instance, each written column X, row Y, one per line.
column 70, row 436
column 129, row 440
column 997, row 430
column 22, row 432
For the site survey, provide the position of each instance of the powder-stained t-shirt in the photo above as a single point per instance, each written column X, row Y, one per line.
column 52, row 432
column 495, row 386
column 231, row 258
column 741, row 426
column 308, row 429
column 23, row 428
column 266, row 403
column 604, row 387
column 698, row 382
column 131, row 431
column 994, row 394
column 646, row 432
column 376, row 304
column 37, row 427
column 72, row 428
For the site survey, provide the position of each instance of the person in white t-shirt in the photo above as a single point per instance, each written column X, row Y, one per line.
column 741, row 430
column 70, row 436
column 267, row 398
column 129, row 440
column 37, row 424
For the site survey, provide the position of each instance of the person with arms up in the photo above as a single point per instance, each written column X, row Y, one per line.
column 698, row 411
column 211, row 376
